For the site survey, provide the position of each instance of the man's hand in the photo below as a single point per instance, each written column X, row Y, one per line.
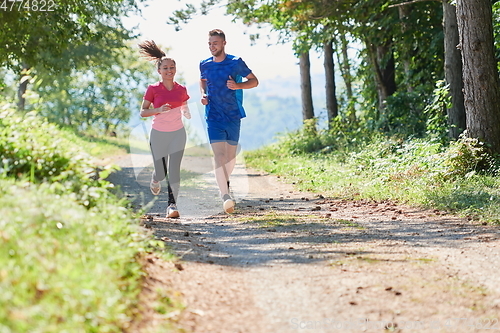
column 231, row 84
column 204, row 99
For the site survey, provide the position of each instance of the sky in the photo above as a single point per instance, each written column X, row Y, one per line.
column 188, row 46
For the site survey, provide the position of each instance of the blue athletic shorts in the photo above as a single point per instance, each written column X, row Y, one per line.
column 219, row 131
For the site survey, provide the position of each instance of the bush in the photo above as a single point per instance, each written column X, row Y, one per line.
column 63, row 267
column 34, row 149
column 342, row 136
column 304, row 140
column 459, row 176
column 69, row 249
column 465, row 157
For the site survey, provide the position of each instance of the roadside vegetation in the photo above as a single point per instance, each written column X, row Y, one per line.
column 70, row 251
column 457, row 176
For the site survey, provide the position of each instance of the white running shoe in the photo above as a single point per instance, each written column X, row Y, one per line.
column 155, row 187
column 228, row 204
column 172, row 211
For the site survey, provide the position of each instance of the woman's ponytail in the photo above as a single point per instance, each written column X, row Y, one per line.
column 151, row 51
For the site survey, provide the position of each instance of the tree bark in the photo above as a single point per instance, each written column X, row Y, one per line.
column 305, row 86
column 404, row 13
column 332, row 108
column 480, row 73
column 453, row 71
column 383, row 63
column 23, row 87
column 345, row 70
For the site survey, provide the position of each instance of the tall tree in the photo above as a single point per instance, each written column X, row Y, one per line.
column 383, row 64
column 404, row 47
column 345, row 71
column 480, row 73
column 305, row 86
column 34, row 39
column 101, row 97
column 453, row 71
column 330, row 86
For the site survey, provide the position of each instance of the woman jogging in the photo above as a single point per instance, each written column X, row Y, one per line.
column 168, row 136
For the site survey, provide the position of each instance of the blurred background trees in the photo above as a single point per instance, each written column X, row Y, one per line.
column 406, row 49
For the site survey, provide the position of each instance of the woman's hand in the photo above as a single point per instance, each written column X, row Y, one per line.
column 164, row 108
column 185, row 111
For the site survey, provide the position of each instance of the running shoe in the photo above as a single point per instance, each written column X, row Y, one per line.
column 155, row 187
column 228, row 204
column 172, row 211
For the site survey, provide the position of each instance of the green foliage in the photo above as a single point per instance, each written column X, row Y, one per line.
column 304, row 140
column 69, row 248
column 465, row 157
column 342, row 136
column 403, row 115
column 64, row 267
column 100, row 98
column 31, row 150
column 64, row 36
column 410, row 36
column 437, row 118
column 496, row 30
column 460, row 177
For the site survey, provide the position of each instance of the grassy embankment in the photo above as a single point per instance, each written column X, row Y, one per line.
column 459, row 177
column 70, row 250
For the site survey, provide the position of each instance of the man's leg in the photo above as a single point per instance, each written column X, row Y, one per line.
column 224, row 157
column 224, row 164
column 224, row 141
column 231, row 151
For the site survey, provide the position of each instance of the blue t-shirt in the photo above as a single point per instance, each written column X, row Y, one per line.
column 224, row 104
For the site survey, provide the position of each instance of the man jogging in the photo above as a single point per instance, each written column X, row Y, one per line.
column 221, row 87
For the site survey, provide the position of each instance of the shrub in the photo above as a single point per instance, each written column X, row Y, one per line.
column 304, row 140
column 33, row 149
column 464, row 157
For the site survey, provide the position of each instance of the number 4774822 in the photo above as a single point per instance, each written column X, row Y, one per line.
column 28, row 5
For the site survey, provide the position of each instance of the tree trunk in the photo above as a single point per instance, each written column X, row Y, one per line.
column 305, row 86
column 404, row 13
column 453, row 71
column 345, row 70
column 23, row 87
column 332, row 108
column 480, row 73
column 383, row 63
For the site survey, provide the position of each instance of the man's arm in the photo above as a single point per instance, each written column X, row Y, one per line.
column 251, row 82
column 203, row 91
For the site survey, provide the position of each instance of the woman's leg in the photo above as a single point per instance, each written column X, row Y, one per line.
column 159, row 149
column 176, row 150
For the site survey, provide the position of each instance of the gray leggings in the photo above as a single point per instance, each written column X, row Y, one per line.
column 167, row 149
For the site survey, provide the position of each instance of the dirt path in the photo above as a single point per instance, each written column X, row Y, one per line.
column 297, row 262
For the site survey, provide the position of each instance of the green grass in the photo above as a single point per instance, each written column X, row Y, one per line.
column 273, row 219
column 98, row 147
column 460, row 178
column 65, row 267
column 70, row 251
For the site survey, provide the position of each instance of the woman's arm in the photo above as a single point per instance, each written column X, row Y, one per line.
column 146, row 111
column 185, row 110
